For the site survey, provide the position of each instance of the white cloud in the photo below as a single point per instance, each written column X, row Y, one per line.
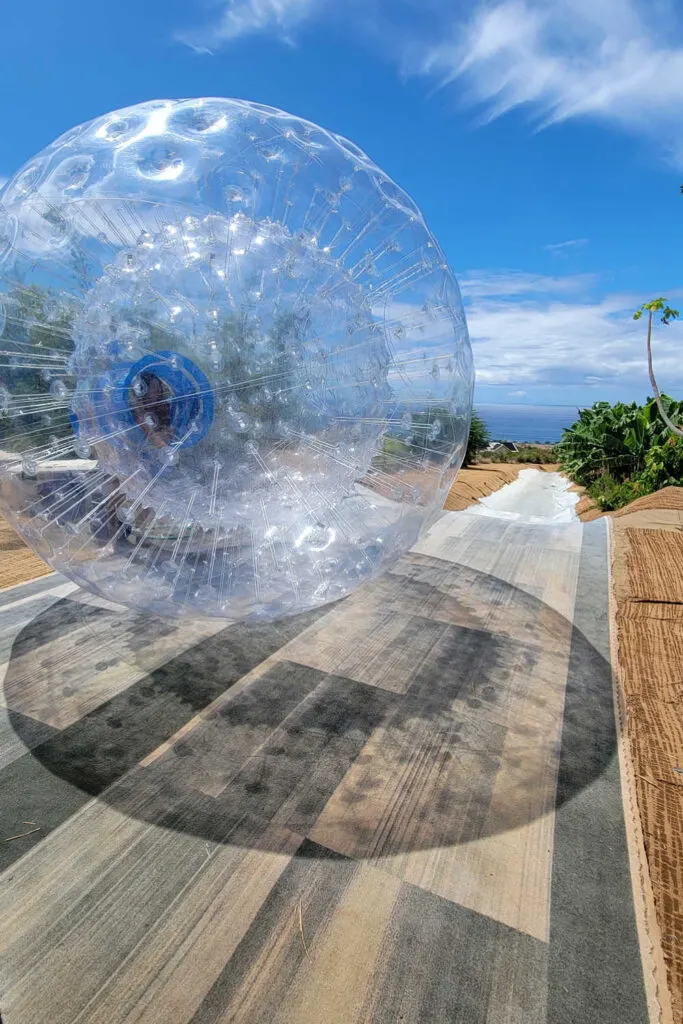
column 563, row 248
column 558, row 335
column 620, row 61
column 476, row 284
column 614, row 60
column 517, row 394
column 246, row 17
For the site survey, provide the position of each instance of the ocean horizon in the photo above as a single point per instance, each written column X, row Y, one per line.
column 542, row 424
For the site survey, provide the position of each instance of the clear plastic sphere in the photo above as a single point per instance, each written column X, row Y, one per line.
column 236, row 377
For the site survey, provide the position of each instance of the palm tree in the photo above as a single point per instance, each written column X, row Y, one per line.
column 668, row 314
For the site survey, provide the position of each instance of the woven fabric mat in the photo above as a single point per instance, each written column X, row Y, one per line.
column 649, row 590
column 18, row 564
column 655, row 566
column 668, row 497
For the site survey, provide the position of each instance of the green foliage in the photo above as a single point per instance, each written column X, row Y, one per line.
column 613, row 439
column 392, row 446
column 535, row 454
column 478, row 439
column 664, row 465
column 434, row 432
column 265, row 371
column 40, row 323
column 620, row 452
column 667, row 315
column 609, row 494
column 657, row 306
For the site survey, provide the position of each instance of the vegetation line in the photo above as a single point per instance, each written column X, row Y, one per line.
column 616, row 452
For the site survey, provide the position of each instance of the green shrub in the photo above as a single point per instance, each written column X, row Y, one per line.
column 478, row 439
column 502, row 455
column 394, row 446
column 663, row 465
column 622, row 452
column 610, row 494
column 526, row 453
column 532, row 453
column 614, row 440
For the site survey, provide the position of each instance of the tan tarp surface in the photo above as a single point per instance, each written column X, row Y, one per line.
column 648, row 584
column 17, row 562
column 667, row 498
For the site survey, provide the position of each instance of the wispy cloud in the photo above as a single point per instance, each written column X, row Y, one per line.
column 558, row 335
column 246, row 17
column 564, row 248
column 619, row 61
column 615, row 60
column 478, row 284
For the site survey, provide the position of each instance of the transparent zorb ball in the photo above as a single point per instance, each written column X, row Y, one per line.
column 235, row 375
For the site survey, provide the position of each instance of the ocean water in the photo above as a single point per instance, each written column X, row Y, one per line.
column 541, row 423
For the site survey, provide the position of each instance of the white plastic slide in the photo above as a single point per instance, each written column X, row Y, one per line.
column 534, row 497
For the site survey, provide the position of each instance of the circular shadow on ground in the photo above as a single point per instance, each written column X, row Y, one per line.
column 153, row 717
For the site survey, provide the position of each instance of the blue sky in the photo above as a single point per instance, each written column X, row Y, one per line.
column 541, row 138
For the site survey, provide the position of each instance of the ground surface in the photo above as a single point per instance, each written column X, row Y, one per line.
column 648, row 583
column 404, row 808
column 533, row 498
column 17, row 562
column 479, row 481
